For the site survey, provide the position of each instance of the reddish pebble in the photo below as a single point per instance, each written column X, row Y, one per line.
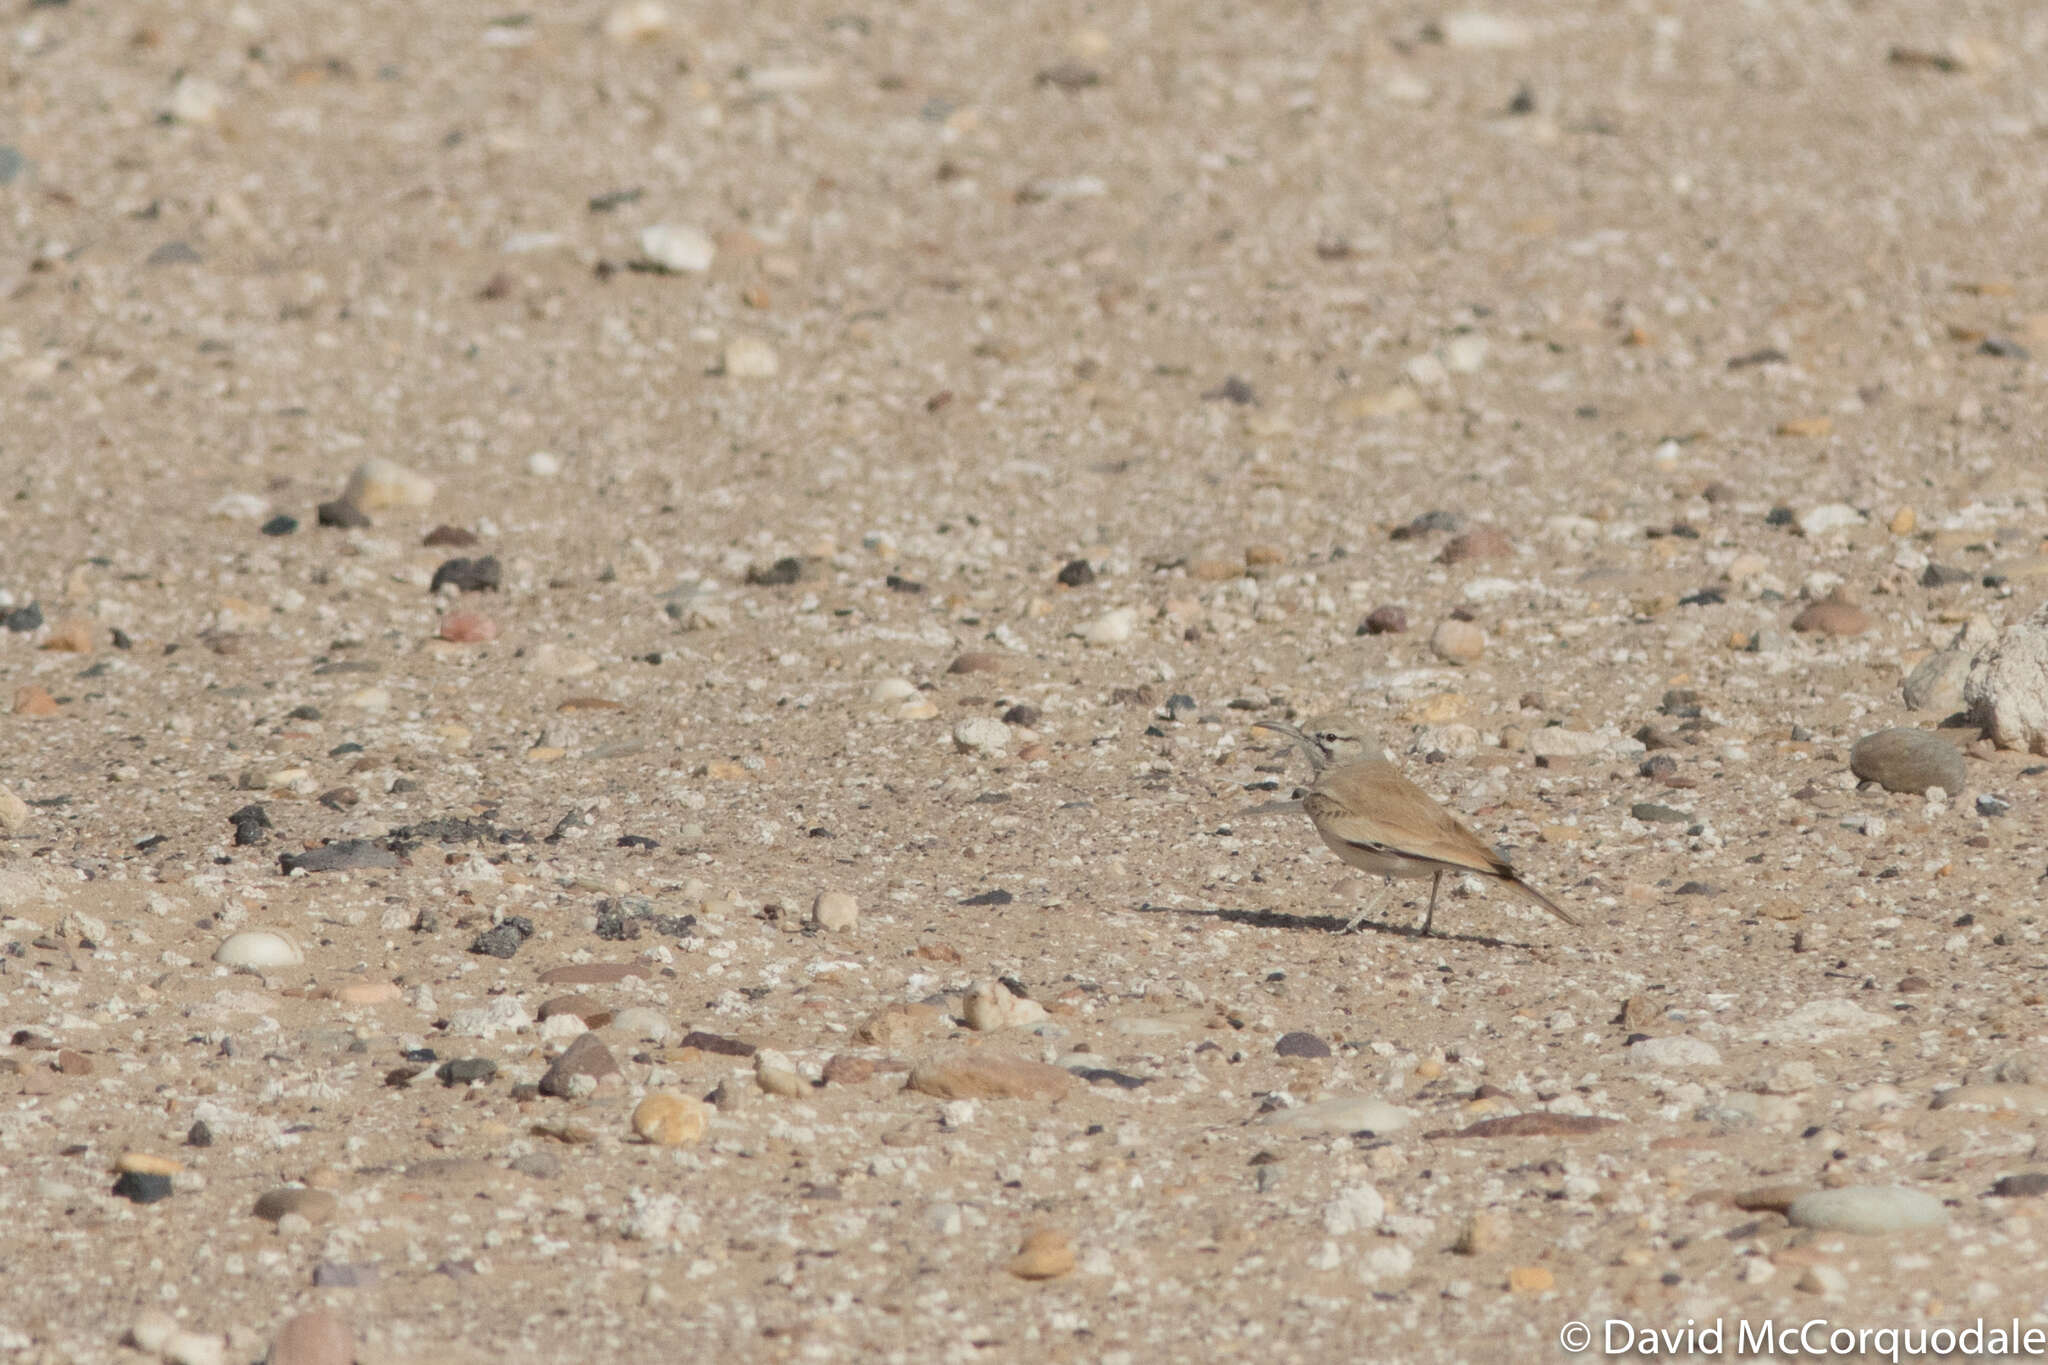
column 468, row 628
column 1384, row 621
column 320, row 1338
column 31, row 700
column 1832, row 616
column 1481, row 542
column 73, row 1063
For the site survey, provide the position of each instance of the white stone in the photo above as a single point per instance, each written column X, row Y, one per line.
column 1819, row 1020
column 1554, row 741
column 1465, row 354
column 1479, row 29
column 1654, row 1053
column 749, row 358
column 1829, row 516
column 1357, row 1209
column 560, row 1028
column 642, row 1023
column 386, row 483
column 891, row 690
column 2007, row 689
column 543, row 464
column 195, row 1348
column 835, row 910
column 777, row 1075
column 678, row 247
column 13, row 811
column 258, row 948
column 504, row 1014
column 194, row 99
column 1111, row 628
column 1867, row 1209
column 1341, row 1116
column 991, row 1005
column 239, row 507
column 984, row 735
column 637, row 22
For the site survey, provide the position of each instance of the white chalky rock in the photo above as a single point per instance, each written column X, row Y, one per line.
column 258, row 948
column 386, row 483
column 2007, row 690
column 1111, row 628
column 678, row 248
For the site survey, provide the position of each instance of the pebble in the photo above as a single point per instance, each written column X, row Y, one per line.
column 315, row 1206
column 1832, row 616
column 1076, row 573
column 1111, row 628
column 1867, row 1209
column 148, row 1163
column 142, row 1187
column 1384, row 621
column 258, row 948
column 637, row 21
column 847, row 1069
column 836, row 910
column 502, row 1014
column 677, row 248
column 898, row 1026
column 1651, row 813
column 71, row 636
column 776, row 1074
column 990, row 1005
column 583, row 1007
column 1936, row 682
column 981, row 1076
column 341, row 514
column 749, row 358
column 584, row 1065
column 1531, row 1279
column 1830, row 516
column 1993, row 1097
column 503, row 939
column 1301, row 1045
column 1044, row 1254
column 2007, row 687
column 2025, row 1185
column 483, row 574
column 1818, row 1020
column 343, row 855
column 13, row 811
column 31, row 699
column 1481, row 542
column 1673, row 1051
column 321, row 1337
column 1360, row 1208
column 671, row 1120
column 982, row 735
column 380, row 483
column 1908, row 761
column 1458, row 642
column 1341, row 1116
column 1554, row 741
column 1482, row 1235
column 591, row 973
column 1538, row 1123
column 467, row 1071
column 973, row 661
column 468, row 628
column 195, row 100
column 639, row 1022
column 1479, row 29
column 195, row 1348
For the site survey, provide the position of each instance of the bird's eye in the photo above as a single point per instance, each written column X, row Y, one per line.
column 1328, row 736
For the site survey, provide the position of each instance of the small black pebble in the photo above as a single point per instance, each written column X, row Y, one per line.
column 468, row 575
column 1022, row 714
column 305, row 712
column 199, row 1135
column 139, row 1188
column 421, row 1054
column 280, row 525
column 1780, row 515
column 464, row 1070
column 22, row 620
column 145, row 845
column 1991, row 807
column 780, row 574
column 1077, row 573
column 1301, row 1045
column 122, row 639
column 637, row 841
column 342, row 514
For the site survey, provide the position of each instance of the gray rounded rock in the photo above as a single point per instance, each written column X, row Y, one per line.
column 1908, row 761
column 1867, row 1209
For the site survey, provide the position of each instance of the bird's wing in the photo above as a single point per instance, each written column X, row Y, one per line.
column 1372, row 805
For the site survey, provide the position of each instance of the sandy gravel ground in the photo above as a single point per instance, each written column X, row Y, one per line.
column 784, row 361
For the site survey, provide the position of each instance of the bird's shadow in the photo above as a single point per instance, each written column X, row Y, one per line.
column 1331, row 924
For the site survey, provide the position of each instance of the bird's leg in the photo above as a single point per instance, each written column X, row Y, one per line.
column 1352, row 924
column 1430, row 914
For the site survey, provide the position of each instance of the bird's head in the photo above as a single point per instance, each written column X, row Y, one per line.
column 1329, row 740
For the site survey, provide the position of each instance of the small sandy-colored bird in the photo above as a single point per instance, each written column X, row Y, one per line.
column 1377, row 820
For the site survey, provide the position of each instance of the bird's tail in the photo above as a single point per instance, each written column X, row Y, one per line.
column 1533, row 894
